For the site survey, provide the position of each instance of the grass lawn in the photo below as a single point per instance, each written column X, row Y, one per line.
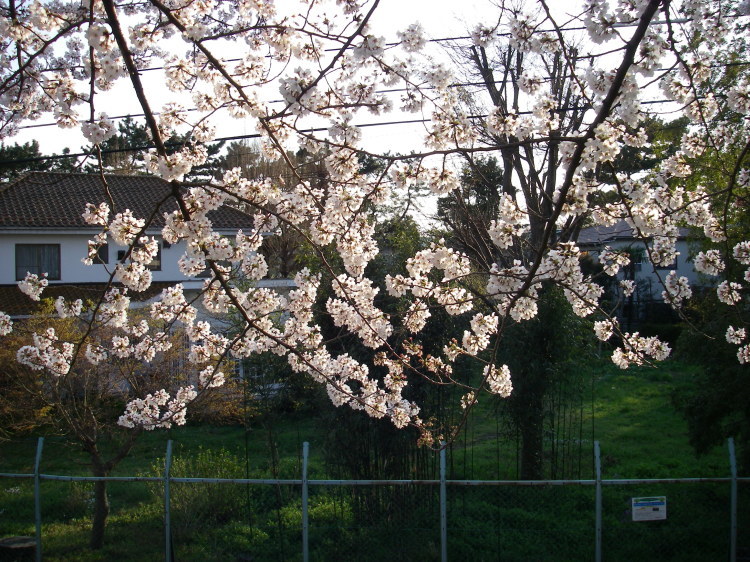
column 640, row 434
column 628, row 412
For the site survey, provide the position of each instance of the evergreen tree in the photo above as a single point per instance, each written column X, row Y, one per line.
column 17, row 159
column 125, row 152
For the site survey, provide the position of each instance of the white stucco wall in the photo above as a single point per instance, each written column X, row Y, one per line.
column 73, row 248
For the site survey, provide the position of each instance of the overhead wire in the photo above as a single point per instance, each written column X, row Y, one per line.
column 435, row 40
column 362, row 125
column 384, row 91
column 144, row 148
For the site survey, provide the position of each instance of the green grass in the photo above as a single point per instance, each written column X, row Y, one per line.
column 136, row 507
column 628, row 412
column 640, row 433
column 63, row 457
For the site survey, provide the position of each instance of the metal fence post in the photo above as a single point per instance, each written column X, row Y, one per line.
column 168, row 555
column 38, row 499
column 732, row 502
column 305, row 525
column 443, row 508
column 598, row 468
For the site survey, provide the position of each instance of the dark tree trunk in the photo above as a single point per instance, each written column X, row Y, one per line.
column 539, row 350
column 531, row 427
column 101, row 513
column 102, row 468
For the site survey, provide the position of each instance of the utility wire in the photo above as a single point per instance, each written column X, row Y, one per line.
column 363, row 125
column 385, row 91
column 144, row 148
column 437, row 40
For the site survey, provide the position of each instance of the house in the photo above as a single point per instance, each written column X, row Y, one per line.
column 42, row 231
column 646, row 301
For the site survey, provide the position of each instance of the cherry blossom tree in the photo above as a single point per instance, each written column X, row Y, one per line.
column 526, row 92
column 227, row 59
column 81, row 399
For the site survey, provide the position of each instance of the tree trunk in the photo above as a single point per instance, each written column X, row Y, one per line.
column 101, row 512
column 101, row 468
column 532, row 439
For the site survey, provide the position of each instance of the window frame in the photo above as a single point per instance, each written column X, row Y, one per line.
column 54, row 273
column 669, row 267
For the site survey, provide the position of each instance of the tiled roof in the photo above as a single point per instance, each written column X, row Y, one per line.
column 621, row 230
column 601, row 234
column 56, row 200
column 15, row 303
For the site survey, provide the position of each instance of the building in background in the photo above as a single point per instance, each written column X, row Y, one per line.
column 42, row 230
column 646, row 303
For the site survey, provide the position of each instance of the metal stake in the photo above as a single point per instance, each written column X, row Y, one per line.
column 38, row 499
column 443, row 509
column 168, row 554
column 598, row 468
column 732, row 502
column 305, row 524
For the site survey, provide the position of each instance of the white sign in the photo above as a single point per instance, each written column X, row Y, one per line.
column 649, row 509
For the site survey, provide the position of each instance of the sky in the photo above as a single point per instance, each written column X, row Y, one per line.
column 440, row 18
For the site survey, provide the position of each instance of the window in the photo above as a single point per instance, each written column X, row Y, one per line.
column 672, row 265
column 637, row 257
column 102, row 254
column 207, row 273
column 38, row 258
column 155, row 264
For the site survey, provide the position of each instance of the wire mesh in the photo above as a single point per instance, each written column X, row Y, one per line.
column 229, row 521
column 16, row 495
column 371, row 523
column 743, row 522
column 357, row 520
column 520, row 523
column 696, row 525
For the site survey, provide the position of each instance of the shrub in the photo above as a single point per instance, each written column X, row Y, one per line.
column 195, row 505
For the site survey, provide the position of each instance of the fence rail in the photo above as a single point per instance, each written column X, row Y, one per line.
column 442, row 484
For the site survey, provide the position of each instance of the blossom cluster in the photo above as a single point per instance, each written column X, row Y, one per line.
column 47, row 353
column 558, row 120
column 498, row 380
column 6, row 324
column 637, row 350
column 158, row 410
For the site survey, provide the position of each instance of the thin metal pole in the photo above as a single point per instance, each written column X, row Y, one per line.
column 598, row 468
column 305, row 524
column 443, row 509
column 167, row 516
column 38, row 499
column 732, row 503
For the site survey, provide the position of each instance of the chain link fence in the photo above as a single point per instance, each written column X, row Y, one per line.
column 697, row 526
column 203, row 506
column 546, row 522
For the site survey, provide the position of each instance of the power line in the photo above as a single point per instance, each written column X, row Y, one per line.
column 192, row 109
column 384, row 91
column 435, row 40
column 467, row 37
column 451, row 39
column 363, row 125
column 144, row 148
column 173, row 145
